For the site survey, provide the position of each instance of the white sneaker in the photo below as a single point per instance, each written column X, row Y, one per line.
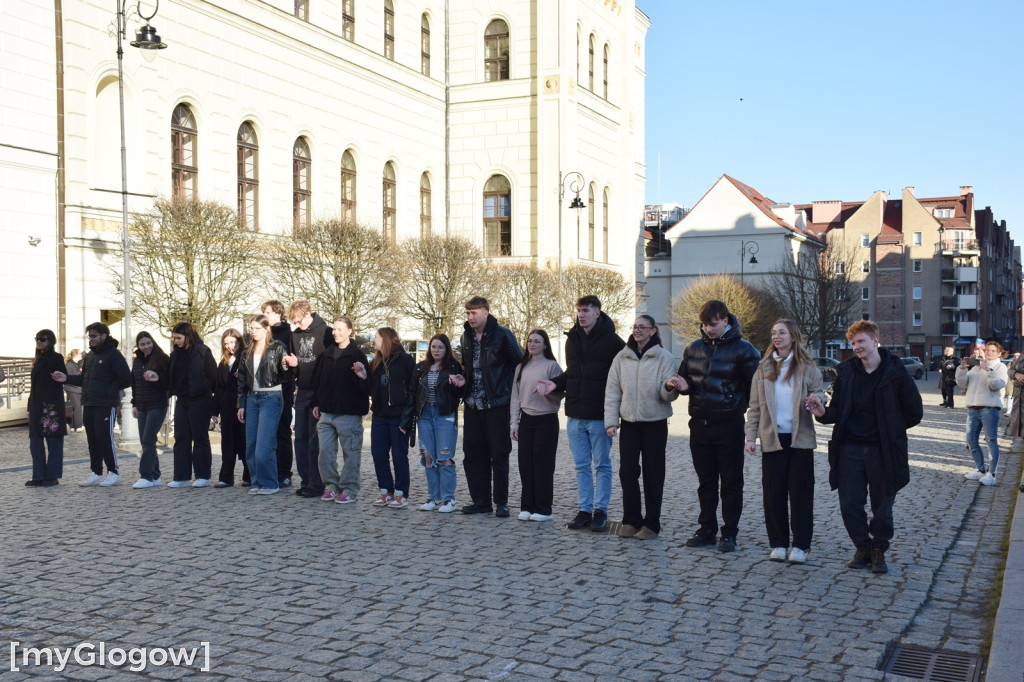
column 145, row 483
column 524, row 516
column 159, row 481
column 179, row 484
column 988, row 479
column 201, row 483
column 778, row 554
column 975, row 475
column 797, row 556
column 94, row 479
column 111, row 479
column 540, row 517
column 429, row 505
column 448, row 507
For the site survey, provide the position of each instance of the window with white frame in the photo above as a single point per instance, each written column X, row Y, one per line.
column 917, row 293
column 943, row 213
column 917, row 319
column 865, row 294
column 839, row 267
column 917, row 239
column 865, row 240
column 865, row 266
column 918, row 266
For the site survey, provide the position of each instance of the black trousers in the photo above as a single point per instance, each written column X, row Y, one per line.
column 486, row 445
column 192, row 439
column 861, row 471
column 232, row 447
column 948, row 389
column 538, row 442
column 642, row 452
column 284, row 435
column 307, row 442
column 76, row 409
column 717, row 451
column 787, row 479
column 99, row 433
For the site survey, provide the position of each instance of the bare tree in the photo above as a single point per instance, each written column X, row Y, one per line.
column 752, row 308
column 440, row 273
column 524, row 297
column 343, row 269
column 818, row 291
column 617, row 294
column 190, row 262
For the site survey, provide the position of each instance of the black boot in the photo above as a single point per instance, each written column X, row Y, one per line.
column 862, row 559
column 878, row 561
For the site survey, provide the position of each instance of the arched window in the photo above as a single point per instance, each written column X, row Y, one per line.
column 496, row 51
column 348, row 187
column 590, row 79
column 348, row 20
column 425, row 45
column 497, row 217
column 604, row 220
column 248, row 153
column 591, row 231
column 425, row 221
column 389, row 30
column 302, row 9
column 605, row 72
column 302, row 193
column 390, row 185
column 184, row 164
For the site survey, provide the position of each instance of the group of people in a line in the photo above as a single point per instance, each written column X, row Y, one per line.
column 610, row 389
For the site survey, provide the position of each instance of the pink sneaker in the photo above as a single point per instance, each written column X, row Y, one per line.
column 398, row 501
column 329, row 496
column 342, row 498
column 383, row 500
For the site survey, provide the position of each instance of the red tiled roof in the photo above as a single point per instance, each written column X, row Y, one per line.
column 765, row 204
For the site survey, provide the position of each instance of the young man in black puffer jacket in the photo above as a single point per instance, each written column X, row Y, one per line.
column 715, row 373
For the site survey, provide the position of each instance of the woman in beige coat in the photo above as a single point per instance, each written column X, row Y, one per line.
column 778, row 416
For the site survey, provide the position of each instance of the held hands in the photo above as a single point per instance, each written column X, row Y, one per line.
column 290, row 360
column 612, row 431
column 750, row 448
column 457, row 380
column 359, row 369
column 241, row 415
column 150, row 375
column 677, row 382
column 514, row 433
column 59, row 377
column 544, row 387
column 813, row 404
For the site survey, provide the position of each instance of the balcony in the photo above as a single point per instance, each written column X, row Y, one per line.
column 960, row 274
column 960, row 302
column 957, row 247
column 959, row 328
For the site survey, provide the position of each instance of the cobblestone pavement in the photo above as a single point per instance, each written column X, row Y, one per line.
column 285, row 589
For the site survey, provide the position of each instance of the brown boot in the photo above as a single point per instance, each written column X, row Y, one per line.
column 878, row 561
column 862, row 559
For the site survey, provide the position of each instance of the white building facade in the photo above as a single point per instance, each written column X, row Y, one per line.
column 455, row 117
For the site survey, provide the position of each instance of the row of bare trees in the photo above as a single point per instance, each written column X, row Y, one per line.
column 191, row 261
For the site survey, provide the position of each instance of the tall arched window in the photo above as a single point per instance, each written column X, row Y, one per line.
column 590, row 78
column 247, row 155
column 604, row 221
column 605, row 72
column 497, row 217
column 348, row 20
column 390, row 186
column 591, row 230
column 425, row 45
column 348, row 187
column 302, row 192
column 496, row 51
column 389, row 30
column 425, row 220
column 184, row 164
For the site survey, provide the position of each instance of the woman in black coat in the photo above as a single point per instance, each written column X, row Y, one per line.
column 225, row 409
column 47, row 424
column 193, row 375
column 150, row 379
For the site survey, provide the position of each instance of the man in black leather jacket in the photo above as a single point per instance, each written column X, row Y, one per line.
column 715, row 373
column 490, row 354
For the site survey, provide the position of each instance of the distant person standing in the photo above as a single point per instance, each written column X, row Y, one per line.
column 104, row 374
column 282, row 332
column 225, row 407
column 150, row 382
column 73, row 361
column 985, row 381
column 47, row 424
column 193, row 375
column 947, row 376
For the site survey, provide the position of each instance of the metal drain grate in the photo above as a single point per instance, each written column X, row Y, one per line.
column 937, row 666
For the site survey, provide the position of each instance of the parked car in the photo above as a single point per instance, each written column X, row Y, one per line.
column 914, row 366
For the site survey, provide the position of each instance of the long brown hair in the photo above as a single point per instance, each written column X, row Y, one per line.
column 264, row 322
column 800, row 355
column 188, row 331
column 233, row 333
column 449, row 357
column 155, row 354
column 389, row 344
column 51, row 342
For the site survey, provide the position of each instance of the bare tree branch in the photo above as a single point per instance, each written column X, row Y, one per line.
column 440, row 275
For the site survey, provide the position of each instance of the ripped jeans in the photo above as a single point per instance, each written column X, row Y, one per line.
column 437, row 436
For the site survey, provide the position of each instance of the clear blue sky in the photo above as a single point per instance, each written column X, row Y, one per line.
column 838, row 99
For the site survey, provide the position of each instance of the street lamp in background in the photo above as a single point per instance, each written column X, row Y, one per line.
column 149, row 42
column 893, row 345
column 576, row 183
column 746, row 247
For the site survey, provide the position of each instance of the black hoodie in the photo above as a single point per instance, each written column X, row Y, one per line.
column 307, row 345
column 336, row 388
column 104, row 373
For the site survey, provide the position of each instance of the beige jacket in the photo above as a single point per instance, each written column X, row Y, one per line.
column 636, row 391
column 761, row 413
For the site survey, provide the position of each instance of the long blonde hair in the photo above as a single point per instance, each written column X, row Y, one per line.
column 799, row 355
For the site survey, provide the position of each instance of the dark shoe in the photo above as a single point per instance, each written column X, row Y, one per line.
column 701, row 540
column 48, row 482
column 501, row 511
column 286, row 482
column 582, row 520
column 246, row 484
column 878, row 561
column 599, row 524
column 305, row 492
column 222, row 484
column 862, row 559
column 32, row 484
column 477, row 508
column 727, row 545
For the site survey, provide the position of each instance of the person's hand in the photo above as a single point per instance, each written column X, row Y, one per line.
column 750, row 448
column 316, row 413
column 514, row 433
column 428, row 461
column 59, row 377
column 402, row 430
column 135, row 413
column 544, row 387
column 150, row 375
column 813, row 404
column 359, row 369
column 612, row 431
column 457, row 380
column 677, row 382
column 241, row 415
column 290, row 360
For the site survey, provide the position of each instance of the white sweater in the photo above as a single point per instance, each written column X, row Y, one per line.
column 984, row 383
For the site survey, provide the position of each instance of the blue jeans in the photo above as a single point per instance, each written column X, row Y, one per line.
column 987, row 417
column 150, row 422
column 590, row 445
column 262, row 412
column 437, row 436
